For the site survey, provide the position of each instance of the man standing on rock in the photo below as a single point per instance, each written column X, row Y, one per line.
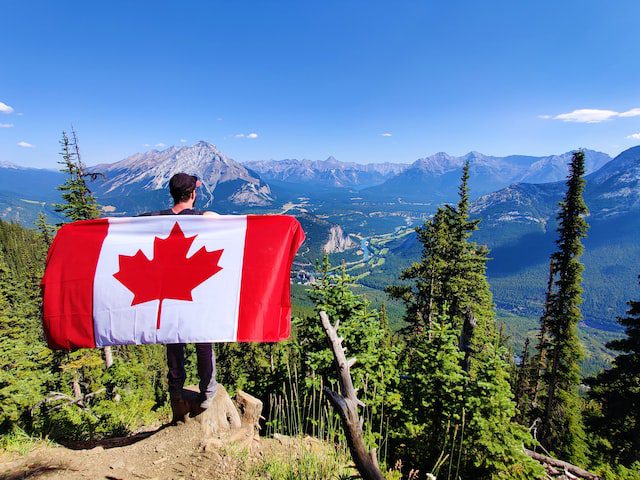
column 182, row 188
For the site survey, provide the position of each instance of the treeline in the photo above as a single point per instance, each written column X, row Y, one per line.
column 443, row 396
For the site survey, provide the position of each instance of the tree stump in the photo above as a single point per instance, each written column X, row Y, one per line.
column 250, row 409
column 225, row 421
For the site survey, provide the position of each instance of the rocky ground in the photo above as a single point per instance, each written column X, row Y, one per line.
column 172, row 452
column 220, row 442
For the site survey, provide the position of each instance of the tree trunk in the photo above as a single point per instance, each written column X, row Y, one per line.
column 108, row 356
column 77, row 391
column 466, row 338
column 567, row 467
column 346, row 403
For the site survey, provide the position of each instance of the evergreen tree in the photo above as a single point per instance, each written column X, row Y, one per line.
column 46, row 231
column 366, row 337
column 79, row 203
column 522, row 388
column 458, row 389
column 450, row 279
column 562, row 430
column 617, row 392
column 24, row 358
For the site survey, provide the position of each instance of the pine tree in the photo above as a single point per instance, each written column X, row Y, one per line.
column 562, row 430
column 458, row 388
column 522, row 389
column 366, row 336
column 79, row 203
column 451, row 273
column 24, row 357
column 617, row 392
column 539, row 364
column 46, row 230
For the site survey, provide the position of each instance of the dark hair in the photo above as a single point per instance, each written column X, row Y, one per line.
column 181, row 186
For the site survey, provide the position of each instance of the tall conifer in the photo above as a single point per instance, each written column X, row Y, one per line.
column 562, row 429
column 458, row 398
column 617, row 391
column 79, row 203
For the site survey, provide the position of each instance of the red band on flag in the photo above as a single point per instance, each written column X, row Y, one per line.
column 68, row 284
column 265, row 305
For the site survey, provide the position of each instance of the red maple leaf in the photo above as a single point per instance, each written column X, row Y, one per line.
column 170, row 274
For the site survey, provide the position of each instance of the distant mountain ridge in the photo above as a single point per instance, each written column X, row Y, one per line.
column 519, row 224
column 612, row 190
column 326, row 173
column 441, row 173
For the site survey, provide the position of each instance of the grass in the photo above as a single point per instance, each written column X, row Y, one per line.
column 19, row 442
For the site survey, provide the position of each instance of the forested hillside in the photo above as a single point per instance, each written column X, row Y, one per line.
column 444, row 395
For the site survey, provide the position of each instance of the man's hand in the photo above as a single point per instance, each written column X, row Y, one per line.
column 210, row 214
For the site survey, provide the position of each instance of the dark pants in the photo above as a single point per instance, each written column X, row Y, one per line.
column 206, row 368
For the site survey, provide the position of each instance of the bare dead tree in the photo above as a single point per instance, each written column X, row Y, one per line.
column 566, row 467
column 346, row 403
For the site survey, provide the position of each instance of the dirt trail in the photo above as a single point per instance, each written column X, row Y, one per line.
column 168, row 453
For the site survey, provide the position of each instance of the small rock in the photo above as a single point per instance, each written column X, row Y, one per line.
column 117, row 464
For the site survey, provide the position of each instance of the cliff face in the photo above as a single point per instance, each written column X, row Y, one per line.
column 338, row 241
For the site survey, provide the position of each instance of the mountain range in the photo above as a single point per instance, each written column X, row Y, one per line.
column 516, row 198
column 518, row 223
column 326, row 173
column 441, row 173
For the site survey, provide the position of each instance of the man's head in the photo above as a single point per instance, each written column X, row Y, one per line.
column 182, row 187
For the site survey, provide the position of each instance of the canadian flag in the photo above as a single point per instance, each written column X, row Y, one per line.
column 170, row 279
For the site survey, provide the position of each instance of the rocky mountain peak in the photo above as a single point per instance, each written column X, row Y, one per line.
column 152, row 170
column 437, row 163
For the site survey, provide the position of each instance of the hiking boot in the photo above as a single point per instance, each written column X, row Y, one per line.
column 179, row 408
column 207, row 399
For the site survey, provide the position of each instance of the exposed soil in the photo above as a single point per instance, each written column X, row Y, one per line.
column 173, row 452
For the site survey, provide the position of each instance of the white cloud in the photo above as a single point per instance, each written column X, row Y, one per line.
column 587, row 115
column 239, row 135
column 160, row 145
column 252, row 135
column 634, row 136
column 4, row 108
column 183, row 140
column 634, row 112
column 25, row 145
column 6, row 125
column 146, row 145
column 592, row 115
column 386, row 134
column 248, row 135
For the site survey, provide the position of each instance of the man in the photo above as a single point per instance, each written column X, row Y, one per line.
column 182, row 188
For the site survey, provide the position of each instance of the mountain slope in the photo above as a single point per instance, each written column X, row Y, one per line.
column 326, row 173
column 436, row 178
column 24, row 192
column 519, row 225
column 140, row 181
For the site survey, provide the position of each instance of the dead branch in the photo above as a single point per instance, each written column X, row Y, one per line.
column 567, row 467
column 67, row 400
column 346, row 403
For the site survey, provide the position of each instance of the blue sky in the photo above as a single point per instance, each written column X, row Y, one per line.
column 364, row 81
